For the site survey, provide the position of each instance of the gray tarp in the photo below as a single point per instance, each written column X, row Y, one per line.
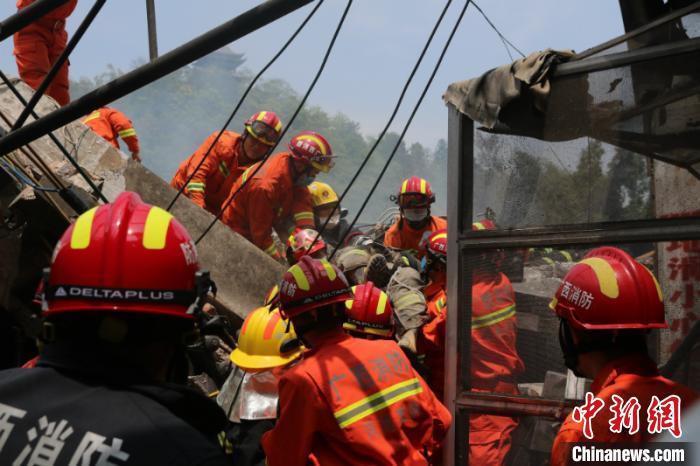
column 483, row 98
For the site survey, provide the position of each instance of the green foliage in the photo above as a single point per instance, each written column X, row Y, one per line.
column 176, row 113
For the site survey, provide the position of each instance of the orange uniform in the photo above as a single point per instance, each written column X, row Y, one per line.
column 629, row 376
column 110, row 123
column 494, row 362
column 268, row 199
column 211, row 184
column 37, row 47
column 353, row 401
column 401, row 236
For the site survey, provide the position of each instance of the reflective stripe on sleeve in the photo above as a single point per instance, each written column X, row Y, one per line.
column 303, row 216
column 125, row 133
column 195, row 187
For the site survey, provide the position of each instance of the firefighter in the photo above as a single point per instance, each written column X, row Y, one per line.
column 369, row 313
column 38, row 46
column 495, row 362
column 267, row 346
column 277, row 193
column 415, row 222
column 108, row 385
column 607, row 304
column 303, row 242
column 110, row 123
column 227, row 159
column 329, row 409
column 327, row 212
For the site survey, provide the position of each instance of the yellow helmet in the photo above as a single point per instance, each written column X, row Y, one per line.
column 322, row 194
column 264, row 341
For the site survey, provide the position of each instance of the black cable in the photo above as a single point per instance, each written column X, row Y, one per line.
column 405, row 128
column 24, row 179
column 505, row 41
column 289, row 125
column 388, row 124
column 240, row 101
column 55, row 140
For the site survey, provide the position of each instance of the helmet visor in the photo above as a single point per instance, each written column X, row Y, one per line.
column 263, row 133
column 409, row 201
column 323, row 163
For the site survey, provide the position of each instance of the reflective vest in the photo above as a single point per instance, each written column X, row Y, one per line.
column 353, row 401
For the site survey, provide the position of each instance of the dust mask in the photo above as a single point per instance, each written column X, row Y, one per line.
column 416, row 215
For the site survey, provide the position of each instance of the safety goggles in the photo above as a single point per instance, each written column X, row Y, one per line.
column 262, row 132
column 412, row 201
column 323, row 163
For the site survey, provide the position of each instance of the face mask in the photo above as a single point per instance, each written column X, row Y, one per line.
column 332, row 223
column 568, row 348
column 415, row 215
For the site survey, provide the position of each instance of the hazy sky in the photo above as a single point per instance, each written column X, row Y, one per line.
column 374, row 53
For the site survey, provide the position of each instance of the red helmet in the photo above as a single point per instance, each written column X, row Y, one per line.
column 610, row 290
column 415, row 192
column 312, row 148
column 126, row 256
column 369, row 311
column 311, row 284
column 435, row 245
column 301, row 240
column 264, row 126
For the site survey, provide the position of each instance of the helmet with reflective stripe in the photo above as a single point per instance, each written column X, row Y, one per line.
column 311, row 284
column 313, row 149
column 609, row 290
column 369, row 311
column 265, row 126
column 435, row 245
column 265, row 342
column 301, row 241
column 322, row 194
column 415, row 192
column 125, row 256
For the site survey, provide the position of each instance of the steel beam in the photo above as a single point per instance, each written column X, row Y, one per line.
column 27, row 15
column 510, row 405
column 152, row 31
column 238, row 27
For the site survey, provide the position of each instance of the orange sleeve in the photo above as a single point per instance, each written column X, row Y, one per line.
column 261, row 217
column 197, row 186
column 302, row 209
column 290, row 442
column 432, row 334
column 125, row 129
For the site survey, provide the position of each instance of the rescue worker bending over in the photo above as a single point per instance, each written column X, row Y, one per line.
column 267, row 346
column 110, row 123
column 415, row 222
column 369, row 314
column 328, row 402
column 211, row 183
column 38, row 46
column 495, row 362
column 122, row 281
column 327, row 209
column 278, row 193
column 607, row 303
column 304, row 243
